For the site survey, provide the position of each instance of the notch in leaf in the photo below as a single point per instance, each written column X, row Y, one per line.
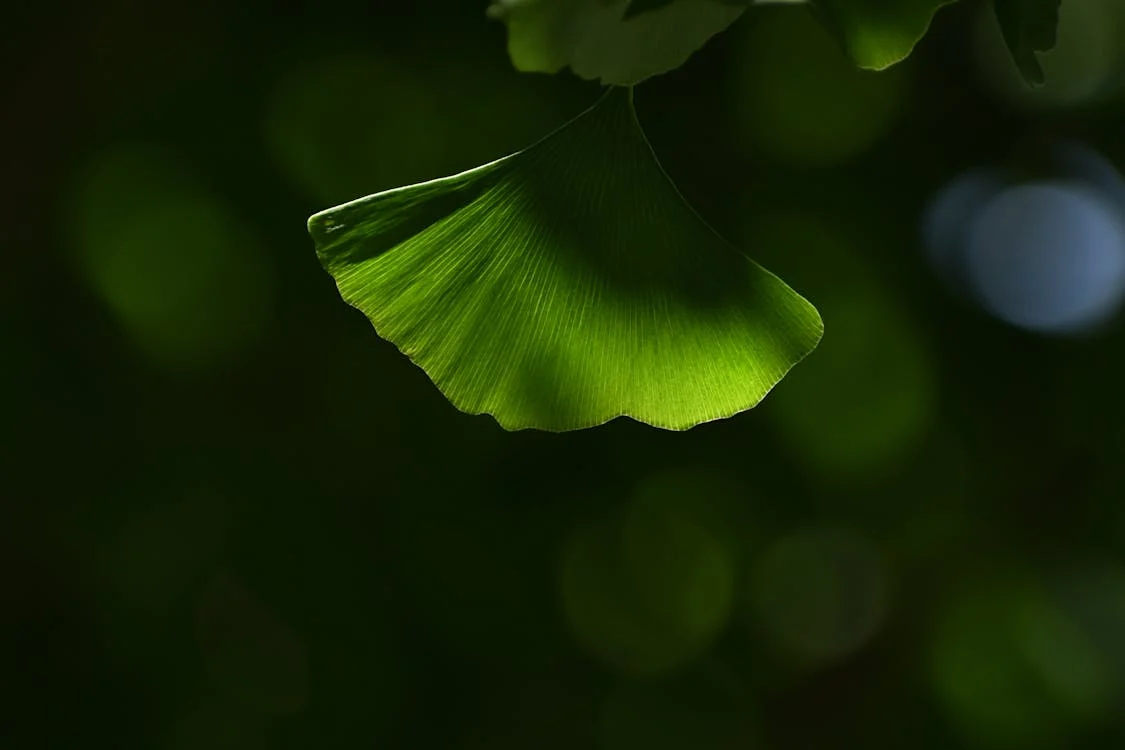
column 568, row 284
column 1029, row 27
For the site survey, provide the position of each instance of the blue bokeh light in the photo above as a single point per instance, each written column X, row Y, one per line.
column 1078, row 161
column 946, row 225
column 1045, row 255
column 1048, row 256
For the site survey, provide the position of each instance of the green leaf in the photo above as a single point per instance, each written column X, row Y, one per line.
column 568, row 284
column 1029, row 26
column 599, row 40
column 878, row 33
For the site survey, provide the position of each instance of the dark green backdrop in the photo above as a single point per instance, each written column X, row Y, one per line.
column 232, row 517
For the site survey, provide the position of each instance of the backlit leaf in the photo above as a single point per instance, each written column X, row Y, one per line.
column 568, row 284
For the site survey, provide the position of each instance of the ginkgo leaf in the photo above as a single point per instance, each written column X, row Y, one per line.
column 599, row 40
column 878, row 33
column 568, row 284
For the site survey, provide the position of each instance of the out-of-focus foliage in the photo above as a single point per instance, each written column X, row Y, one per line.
column 602, row 41
column 244, row 521
column 623, row 42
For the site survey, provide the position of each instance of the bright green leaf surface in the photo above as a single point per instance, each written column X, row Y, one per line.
column 1029, row 26
column 568, row 284
column 598, row 40
column 878, row 33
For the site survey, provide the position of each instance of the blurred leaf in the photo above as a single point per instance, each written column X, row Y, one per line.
column 1029, row 26
column 623, row 42
column 568, row 284
column 608, row 40
column 878, row 33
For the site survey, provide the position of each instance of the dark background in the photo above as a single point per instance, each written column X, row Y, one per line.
column 233, row 517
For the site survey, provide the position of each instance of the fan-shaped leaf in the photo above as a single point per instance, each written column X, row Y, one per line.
column 568, row 284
